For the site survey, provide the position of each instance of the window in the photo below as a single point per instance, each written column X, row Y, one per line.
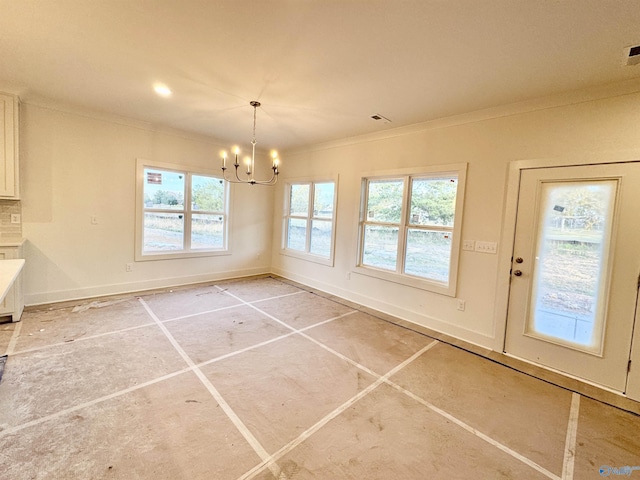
column 309, row 220
column 410, row 228
column 180, row 212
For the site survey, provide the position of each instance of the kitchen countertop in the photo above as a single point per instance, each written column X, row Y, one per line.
column 9, row 270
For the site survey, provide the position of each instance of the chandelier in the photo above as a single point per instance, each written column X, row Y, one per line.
column 249, row 162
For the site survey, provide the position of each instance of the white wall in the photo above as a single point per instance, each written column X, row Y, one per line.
column 583, row 124
column 75, row 164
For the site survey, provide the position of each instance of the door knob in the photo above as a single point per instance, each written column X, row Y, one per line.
column 519, row 260
column 517, row 273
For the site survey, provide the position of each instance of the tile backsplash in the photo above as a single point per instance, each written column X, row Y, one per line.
column 8, row 229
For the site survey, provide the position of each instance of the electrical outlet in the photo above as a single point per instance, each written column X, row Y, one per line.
column 348, row 275
column 129, row 267
column 461, row 305
column 486, row 247
column 15, row 218
column 469, row 245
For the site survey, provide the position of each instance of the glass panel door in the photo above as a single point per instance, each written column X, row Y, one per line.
column 571, row 272
column 574, row 271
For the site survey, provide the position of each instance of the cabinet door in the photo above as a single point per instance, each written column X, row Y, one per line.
column 8, row 145
column 8, row 305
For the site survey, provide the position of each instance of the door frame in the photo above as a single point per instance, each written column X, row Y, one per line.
column 507, row 236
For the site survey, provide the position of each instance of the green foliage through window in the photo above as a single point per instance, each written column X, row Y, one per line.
column 413, row 236
column 385, row 200
column 208, row 194
column 433, row 201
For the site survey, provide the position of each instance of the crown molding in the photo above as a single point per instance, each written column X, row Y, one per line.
column 575, row 97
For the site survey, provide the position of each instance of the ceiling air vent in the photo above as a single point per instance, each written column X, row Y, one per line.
column 377, row 116
column 632, row 55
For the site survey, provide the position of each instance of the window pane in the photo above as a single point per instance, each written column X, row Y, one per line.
column 207, row 193
column 207, row 231
column 297, row 234
column 572, row 262
column 323, row 200
column 163, row 232
column 163, row 189
column 299, row 200
column 321, row 237
column 380, row 247
column 385, row 200
column 428, row 254
column 433, row 201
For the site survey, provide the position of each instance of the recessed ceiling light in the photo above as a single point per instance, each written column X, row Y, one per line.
column 162, row 90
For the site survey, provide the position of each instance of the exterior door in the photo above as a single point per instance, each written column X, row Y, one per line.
column 574, row 277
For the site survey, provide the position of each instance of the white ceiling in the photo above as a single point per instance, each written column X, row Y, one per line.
column 319, row 67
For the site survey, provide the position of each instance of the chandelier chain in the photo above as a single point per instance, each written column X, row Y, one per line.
column 255, row 108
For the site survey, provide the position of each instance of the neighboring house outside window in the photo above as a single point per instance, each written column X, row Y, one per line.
column 409, row 229
column 309, row 220
column 180, row 212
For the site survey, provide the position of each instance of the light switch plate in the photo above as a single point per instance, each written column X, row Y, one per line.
column 486, row 247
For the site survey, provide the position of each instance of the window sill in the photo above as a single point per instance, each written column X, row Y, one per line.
column 309, row 257
column 415, row 282
column 143, row 257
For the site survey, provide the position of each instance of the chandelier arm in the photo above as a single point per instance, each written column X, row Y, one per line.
column 239, row 179
column 231, row 180
column 272, row 181
column 224, row 175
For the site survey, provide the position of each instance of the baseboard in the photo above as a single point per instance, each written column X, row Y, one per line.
column 34, row 299
column 432, row 323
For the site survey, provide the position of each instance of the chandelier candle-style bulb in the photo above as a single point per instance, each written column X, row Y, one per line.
column 276, row 161
column 250, row 162
column 236, row 151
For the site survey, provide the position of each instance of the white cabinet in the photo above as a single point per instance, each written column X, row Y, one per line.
column 13, row 303
column 9, row 125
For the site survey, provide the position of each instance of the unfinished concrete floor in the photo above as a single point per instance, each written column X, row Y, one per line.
column 261, row 379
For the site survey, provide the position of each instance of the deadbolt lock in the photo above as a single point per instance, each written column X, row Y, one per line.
column 517, row 273
column 519, row 260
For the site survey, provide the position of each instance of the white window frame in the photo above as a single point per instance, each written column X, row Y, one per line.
column 186, row 252
column 307, row 255
column 444, row 288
